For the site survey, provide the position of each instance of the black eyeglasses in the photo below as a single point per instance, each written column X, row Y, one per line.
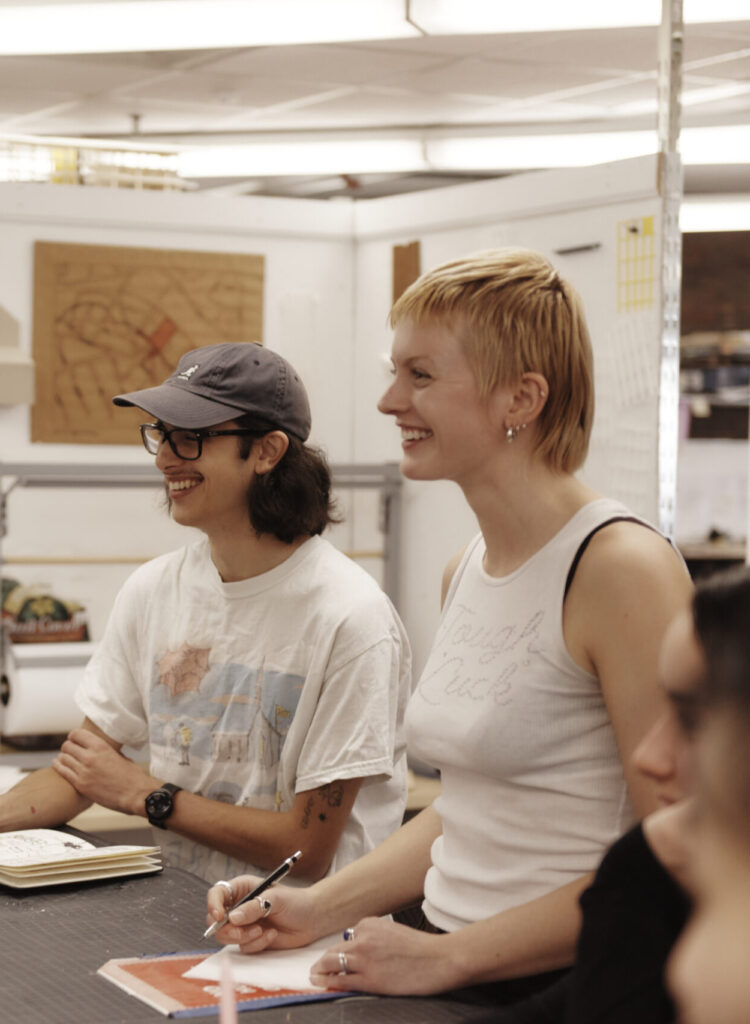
column 186, row 444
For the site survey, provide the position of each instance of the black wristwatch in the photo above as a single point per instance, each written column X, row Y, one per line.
column 160, row 804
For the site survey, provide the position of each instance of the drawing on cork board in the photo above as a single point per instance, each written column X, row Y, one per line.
column 110, row 319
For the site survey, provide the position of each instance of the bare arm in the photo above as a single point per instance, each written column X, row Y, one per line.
column 392, row 959
column 629, row 586
column 389, row 877
column 41, row 800
column 313, row 824
column 44, row 798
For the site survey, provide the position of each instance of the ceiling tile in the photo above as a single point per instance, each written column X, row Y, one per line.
column 348, row 65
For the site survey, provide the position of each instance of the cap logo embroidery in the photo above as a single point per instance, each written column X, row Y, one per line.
column 187, row 374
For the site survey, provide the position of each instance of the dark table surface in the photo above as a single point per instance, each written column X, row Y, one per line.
column 54, row 939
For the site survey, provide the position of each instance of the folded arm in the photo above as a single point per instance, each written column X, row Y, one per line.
column 45, row 798
column 95, row 769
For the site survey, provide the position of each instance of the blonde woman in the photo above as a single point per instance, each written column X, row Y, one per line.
column 543, row 675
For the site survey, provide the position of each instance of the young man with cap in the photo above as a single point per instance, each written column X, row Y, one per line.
column 267, row 673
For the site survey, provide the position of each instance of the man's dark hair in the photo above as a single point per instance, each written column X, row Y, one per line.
column 294, row 498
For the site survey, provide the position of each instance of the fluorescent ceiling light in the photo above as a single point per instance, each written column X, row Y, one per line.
column 728, row 144
column 721, row 213
column 361, row 156
column 456, row 17
column 152, row 25
column 122, row 26
column 523, row 151
column 725, row 144
column 458, row 153
column 401, row 155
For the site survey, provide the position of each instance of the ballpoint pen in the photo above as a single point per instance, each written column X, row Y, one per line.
column 276, row 874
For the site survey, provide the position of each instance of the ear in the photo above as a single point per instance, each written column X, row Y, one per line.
column 529, row 398
column 270, row 450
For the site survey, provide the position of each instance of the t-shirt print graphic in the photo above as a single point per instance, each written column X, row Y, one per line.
column 183, row 670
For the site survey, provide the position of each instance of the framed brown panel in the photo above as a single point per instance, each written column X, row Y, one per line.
column 110, row 319
column 406, row 263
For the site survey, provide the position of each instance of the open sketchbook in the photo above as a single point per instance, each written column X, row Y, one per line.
column 190, row 984
column 42, row 856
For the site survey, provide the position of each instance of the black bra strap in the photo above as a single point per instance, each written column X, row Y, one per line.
column 586, row 540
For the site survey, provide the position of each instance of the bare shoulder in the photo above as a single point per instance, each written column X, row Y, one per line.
column 628, row 586
column 449, row 572
column 627, row 556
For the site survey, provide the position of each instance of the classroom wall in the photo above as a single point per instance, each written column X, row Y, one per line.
column 328, row 291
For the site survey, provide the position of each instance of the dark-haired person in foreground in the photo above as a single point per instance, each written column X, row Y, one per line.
column 708, row 971
column 267, row 672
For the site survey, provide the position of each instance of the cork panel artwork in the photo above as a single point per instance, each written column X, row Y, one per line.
column 112, row 319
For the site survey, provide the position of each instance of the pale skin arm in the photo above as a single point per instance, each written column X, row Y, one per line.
column 388, row 878
column 94, row 766
column 392, row 958
column 628, row 587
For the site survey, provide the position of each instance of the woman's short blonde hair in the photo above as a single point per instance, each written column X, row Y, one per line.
column 514, row 314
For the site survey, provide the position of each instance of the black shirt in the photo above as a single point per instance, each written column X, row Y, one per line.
column 632, row 914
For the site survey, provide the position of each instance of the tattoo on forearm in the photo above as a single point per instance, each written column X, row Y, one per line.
column 307, row 812
column 331, row 795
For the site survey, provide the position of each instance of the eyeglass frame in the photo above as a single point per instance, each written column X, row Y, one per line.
column 199, row 435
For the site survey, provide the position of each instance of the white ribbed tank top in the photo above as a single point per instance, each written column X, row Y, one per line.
column 532, row 789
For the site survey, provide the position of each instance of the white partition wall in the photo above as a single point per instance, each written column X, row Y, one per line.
column 328, row 281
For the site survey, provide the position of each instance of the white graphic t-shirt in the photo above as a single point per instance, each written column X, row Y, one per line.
column 251, row 692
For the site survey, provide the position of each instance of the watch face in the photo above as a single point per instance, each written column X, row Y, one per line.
column 158, row 804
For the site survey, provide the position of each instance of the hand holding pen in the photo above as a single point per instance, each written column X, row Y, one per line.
column 278, row 873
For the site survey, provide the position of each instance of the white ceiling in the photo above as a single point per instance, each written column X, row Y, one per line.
column 534, row 83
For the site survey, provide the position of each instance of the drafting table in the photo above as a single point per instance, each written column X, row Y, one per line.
column 54, row 939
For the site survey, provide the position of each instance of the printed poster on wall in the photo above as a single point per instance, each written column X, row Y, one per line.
column 110, row 319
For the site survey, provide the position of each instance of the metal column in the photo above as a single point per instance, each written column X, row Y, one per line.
column 670, row 191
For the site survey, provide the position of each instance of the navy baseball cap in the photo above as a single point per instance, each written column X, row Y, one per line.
column 221, row 382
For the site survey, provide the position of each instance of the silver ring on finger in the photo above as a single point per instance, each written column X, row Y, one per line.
column 348, row 934
column 264, row 904
column 228, row 887
column 343, row 964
